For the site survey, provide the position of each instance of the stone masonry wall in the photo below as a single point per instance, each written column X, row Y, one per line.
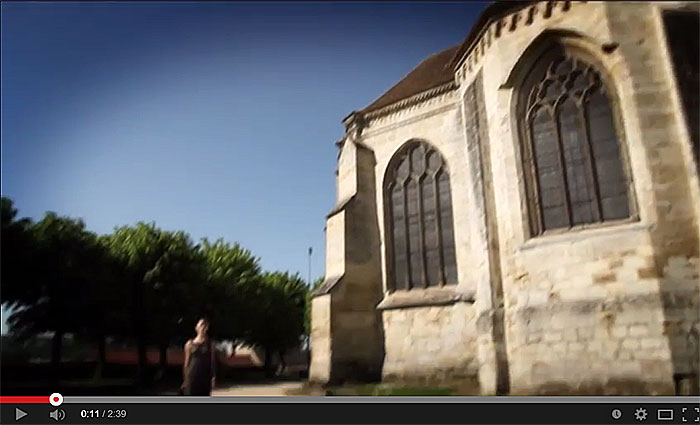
column 431, row 343
column 611, row 309
column 604, row 309
column 346, row 335
column 434, row 344
column 320, row 367
column 589, row 327
column 437, row 122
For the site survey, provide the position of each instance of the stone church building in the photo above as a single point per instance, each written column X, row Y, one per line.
column 519, row 214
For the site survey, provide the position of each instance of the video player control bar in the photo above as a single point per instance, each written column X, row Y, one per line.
column 330, row 412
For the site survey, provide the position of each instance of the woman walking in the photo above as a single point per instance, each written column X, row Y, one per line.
column 200, row 363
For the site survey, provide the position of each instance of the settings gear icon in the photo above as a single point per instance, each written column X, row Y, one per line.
column 640, row 414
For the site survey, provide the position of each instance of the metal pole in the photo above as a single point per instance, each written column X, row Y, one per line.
column 310, row 251
column 308, row 338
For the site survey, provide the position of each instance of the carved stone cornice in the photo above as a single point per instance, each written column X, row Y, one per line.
column 410, row 101
column 409, row 120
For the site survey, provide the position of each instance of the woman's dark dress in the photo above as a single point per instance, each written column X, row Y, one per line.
column 199, row 370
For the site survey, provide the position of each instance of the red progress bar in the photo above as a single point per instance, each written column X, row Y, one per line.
column 24, row 399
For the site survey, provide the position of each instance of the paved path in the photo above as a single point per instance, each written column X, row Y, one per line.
column 262, row 389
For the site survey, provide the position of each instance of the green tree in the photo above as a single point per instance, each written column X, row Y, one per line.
column 281, row 308
column 177, row 285
column 137, row 251
column 166, row 275
column 62, row 272
column 103, row 300
column 233, row 279
column 16, row 253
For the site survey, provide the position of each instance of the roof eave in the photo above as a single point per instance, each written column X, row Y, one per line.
column 372, row 114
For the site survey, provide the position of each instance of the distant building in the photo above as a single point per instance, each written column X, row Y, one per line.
column 520, row 212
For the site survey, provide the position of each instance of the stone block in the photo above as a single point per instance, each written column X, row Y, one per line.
column 570, row 335
column 625, row 355
column 604, row 277
column 552, row 336
column 559, row 347
column 651, row 343
column 585, row 334
column 576, row 347
column 534, row 337
column 595, row 346
column 619, row 331
column 630, row 344
column 638, row 330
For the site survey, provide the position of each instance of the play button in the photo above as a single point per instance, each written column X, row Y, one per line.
column 19, row 414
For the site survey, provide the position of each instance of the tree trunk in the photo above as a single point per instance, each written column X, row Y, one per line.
column 283, row 364
column 101, row 356
column 143, row 360
column 163, row 360
column 269, row 372
column 56, row 349
column 139, row 321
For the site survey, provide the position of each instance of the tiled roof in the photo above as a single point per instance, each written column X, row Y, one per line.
column 432, row 72
column 438, row 69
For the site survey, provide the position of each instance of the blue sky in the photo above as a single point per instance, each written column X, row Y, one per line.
column 214, row 118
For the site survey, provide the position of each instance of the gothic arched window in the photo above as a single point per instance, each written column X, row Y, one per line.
column 572, row 151
column 419, row 229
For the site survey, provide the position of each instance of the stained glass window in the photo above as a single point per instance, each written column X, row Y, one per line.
column 574, row 168
column 421, row 248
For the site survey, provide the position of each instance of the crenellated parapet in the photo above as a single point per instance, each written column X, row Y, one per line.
column 525, row 15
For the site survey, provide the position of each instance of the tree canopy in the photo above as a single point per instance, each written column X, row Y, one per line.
column 144, row 284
